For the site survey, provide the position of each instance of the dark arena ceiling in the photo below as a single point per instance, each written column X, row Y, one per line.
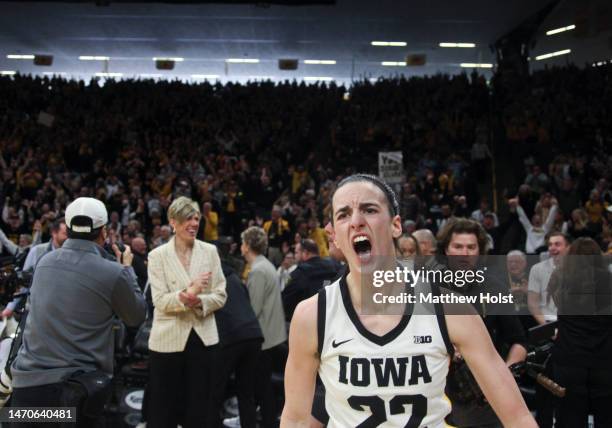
column 238, row 41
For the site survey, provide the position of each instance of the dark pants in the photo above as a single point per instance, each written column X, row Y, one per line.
column 588, row 391
column 240, row 358
column 179, row 389
column 52, row 395
column 264, row 392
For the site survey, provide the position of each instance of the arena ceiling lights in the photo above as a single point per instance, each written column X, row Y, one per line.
column 7, row 73
column 560, row 30
column 177, row 59
column 320, row 61
column 475, row 65
column 552, row 54
column 93, row 58
column 393, row 63
column 242, row 60
column 457, row 45
column 395, row 44
column 14, row 56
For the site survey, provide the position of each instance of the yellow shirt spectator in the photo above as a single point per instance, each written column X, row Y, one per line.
column 211, row 225
column 320, row 237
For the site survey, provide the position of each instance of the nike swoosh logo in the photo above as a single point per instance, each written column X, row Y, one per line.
column 336, row 344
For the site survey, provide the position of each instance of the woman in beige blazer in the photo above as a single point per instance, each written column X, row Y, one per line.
column 187, row 285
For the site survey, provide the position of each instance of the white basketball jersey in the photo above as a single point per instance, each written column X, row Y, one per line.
column 395, row 380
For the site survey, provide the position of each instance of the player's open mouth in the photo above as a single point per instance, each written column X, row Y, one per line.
column 363, row 247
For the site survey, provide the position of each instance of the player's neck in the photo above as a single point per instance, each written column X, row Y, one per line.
column 357, row 288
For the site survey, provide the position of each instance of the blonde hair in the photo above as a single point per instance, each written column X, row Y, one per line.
column 182, row 208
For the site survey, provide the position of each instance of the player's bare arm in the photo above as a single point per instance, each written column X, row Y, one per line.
column 302, row 365
column 469, row 334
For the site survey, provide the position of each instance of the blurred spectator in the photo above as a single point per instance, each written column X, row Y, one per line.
column 278, row 231
column 408, row 246
column 211, row 223
column 536, row 230
column 265, row 295
column 59, row 234
column 139, row 250
column 427, row 242
column 312, row 273
column 288, row 265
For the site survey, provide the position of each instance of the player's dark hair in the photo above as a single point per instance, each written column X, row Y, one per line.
column 392, row 203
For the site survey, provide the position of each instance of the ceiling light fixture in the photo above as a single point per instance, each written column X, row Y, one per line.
column 14, row 56
column 552, row 54
column 560, row 30
column 393, row 63
column 457, row 45
column 177, row 59
column 93, row 58
column 475, row 65
column 320, row 61
column 242, row 60
column 379, row 43
column 7, row 73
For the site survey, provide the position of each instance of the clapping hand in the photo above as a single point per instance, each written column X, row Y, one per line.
column 201, row 284
column 189, row 300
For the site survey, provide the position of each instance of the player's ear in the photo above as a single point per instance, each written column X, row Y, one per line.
column 330, row 232
column 396, row 226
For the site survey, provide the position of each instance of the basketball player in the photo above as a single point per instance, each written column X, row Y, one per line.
column 375, row 371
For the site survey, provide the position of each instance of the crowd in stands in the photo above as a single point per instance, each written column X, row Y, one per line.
column 240, row 150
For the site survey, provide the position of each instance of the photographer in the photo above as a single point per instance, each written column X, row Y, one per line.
column 67, row 354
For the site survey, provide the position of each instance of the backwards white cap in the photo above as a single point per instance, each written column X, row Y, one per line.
column 85, row 214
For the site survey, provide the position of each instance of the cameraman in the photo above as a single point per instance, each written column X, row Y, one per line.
column 67, row 345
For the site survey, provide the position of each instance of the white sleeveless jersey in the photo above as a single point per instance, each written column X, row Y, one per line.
column 395, row 380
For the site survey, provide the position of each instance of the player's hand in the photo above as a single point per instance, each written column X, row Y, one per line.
column 7, row 313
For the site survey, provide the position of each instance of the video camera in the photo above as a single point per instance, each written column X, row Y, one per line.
column 12, row 278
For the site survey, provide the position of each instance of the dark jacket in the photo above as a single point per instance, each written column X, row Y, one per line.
column 236, row 321
column 585, row 319
column 306, row 281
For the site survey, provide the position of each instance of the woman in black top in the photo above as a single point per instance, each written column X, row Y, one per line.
column 582, row 291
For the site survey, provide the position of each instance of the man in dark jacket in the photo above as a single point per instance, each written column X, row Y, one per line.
column 241, row 338
column 312, row 274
